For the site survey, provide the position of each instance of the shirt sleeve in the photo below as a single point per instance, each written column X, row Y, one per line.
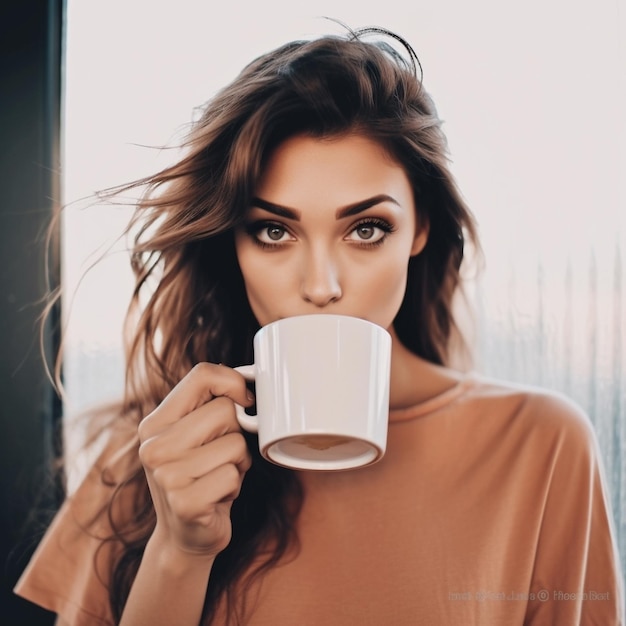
column 69, row 572
column 577, row 577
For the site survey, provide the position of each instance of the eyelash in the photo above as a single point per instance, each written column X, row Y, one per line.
column 376, row 222
column 254, row 228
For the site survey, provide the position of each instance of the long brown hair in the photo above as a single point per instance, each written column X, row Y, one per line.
column 189, row 303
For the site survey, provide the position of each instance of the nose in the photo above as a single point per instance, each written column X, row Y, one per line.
column 320, row 279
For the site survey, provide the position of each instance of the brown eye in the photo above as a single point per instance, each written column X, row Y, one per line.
column 365, row 232
column 369, row 232
column 269, row 233
column 275, row 233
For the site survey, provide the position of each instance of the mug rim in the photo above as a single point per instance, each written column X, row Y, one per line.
column 293, row 319
column 297, row 463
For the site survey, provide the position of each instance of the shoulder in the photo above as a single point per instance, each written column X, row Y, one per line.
column 535, row 411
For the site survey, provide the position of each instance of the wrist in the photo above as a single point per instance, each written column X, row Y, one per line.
column 170, row 586
column 170, row 557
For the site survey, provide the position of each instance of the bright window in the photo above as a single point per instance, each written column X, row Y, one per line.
column 532, row 95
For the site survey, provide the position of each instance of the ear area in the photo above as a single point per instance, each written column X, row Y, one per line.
column 421, row 238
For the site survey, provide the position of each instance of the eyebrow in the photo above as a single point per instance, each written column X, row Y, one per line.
column 346, row 211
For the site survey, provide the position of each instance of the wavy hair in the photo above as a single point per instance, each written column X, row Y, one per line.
column 189, row 303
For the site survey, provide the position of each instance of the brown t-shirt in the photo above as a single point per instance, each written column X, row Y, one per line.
column 489, row 507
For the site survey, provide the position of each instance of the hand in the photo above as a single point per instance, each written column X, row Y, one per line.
column 195, row 458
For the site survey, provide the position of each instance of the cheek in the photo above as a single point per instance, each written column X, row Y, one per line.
column 384, row 290
column 266, row 286
column 391, row 289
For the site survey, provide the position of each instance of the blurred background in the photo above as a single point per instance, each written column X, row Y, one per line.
column 532, row 97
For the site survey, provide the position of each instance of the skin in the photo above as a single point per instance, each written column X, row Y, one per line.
column 195, row 458
column 318, row 259
column 323, row 263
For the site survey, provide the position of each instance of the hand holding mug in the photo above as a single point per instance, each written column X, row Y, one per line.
column 195, row 458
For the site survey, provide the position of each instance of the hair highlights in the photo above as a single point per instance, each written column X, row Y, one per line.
column 189, row 303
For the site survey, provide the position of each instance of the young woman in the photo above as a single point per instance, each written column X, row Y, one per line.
column 317, row 182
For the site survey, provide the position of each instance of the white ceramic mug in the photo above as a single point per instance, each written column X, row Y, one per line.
column 322, row 391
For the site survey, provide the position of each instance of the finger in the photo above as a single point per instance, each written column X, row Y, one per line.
column 230, row 449
column 210, row 421
column 200, row 498
column 223, row 484
column 203, row 383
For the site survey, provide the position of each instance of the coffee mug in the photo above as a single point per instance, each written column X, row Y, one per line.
column 322, row 391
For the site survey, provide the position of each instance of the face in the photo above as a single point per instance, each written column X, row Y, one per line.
column 330, row 230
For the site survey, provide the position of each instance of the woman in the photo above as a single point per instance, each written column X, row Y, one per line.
column 317, row 182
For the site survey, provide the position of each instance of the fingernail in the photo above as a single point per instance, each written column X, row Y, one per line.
column 249, row 395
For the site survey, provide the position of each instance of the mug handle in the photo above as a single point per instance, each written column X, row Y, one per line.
column 247, row 422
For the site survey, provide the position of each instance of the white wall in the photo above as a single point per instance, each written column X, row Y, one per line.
column 532, row 95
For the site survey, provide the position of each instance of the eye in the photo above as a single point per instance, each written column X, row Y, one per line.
column 272, row 233
column 366, row 232
column 269, row 233
column 370, row 232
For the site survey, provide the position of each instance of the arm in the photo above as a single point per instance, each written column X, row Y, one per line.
column 169, row 588
column 195, row 458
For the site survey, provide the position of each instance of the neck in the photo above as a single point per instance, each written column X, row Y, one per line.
column 413, row 379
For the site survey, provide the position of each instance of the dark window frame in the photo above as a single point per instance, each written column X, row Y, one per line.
column 31, row 53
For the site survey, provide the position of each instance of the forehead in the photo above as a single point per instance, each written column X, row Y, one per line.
column 305, row 170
